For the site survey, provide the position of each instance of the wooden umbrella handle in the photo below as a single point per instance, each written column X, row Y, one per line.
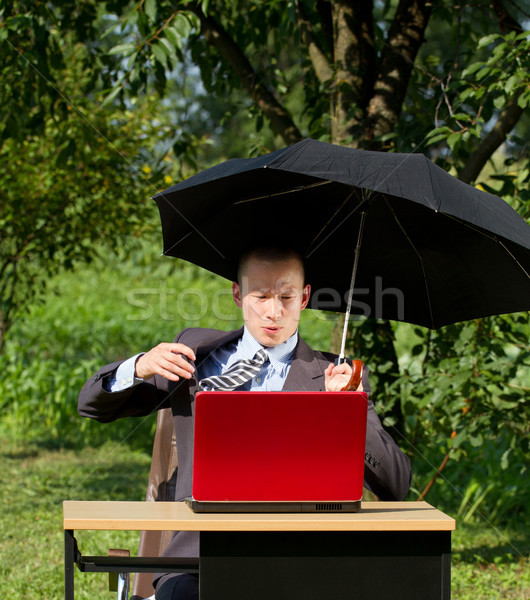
column 355, row 379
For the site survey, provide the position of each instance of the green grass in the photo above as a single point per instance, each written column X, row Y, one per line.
column 34, row 483
column 488, row 563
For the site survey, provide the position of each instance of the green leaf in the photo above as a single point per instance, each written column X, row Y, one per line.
column 522, row 36
column 476, row 440
column 150, row 9
column 18, row 22
column 182, row 26
column 194, row 20
column 485, row 72
column 472, row 68
column 159, row 54
column 113, row 94
column 499, row 102
column 513, row 80
column 132, row 60
column 389, row 136
column 438, row 130
column 453, row 140
column 487, row 40
column 461, row 117
column 524, row 100
column 498, row 53
column 168, row 47
column 173, row 37
column 124, row 49
column 437, row 138
column 465, row 94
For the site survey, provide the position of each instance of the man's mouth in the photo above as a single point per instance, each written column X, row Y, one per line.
column 271, row 329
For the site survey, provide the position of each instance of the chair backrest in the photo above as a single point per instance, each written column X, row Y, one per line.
column 161, row 487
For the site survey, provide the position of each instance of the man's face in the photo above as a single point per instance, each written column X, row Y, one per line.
column 272, row 295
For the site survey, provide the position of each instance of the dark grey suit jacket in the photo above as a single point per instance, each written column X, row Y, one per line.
column 387, row 469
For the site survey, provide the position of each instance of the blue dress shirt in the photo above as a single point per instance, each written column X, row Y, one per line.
column 272, row 375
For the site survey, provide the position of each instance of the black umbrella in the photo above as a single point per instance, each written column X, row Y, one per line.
column 434, row 250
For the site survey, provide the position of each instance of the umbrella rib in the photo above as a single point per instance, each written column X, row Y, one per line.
column 515, row 259
column 328, row 222
column 390, row 207
column 491, row 237
column 360, row 205
column 299, row 188
column 194, row 228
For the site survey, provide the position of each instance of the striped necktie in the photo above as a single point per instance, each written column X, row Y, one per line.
column 238, row 374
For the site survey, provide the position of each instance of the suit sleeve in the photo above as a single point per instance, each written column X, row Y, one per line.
column 141, row 400
column 149, row 396
column 387, row 471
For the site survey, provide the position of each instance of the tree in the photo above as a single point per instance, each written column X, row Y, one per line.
column 71, row 179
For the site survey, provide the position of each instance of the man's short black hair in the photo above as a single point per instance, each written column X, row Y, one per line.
column 269, row 253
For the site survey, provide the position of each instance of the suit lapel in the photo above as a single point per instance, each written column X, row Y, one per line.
column 306, row 373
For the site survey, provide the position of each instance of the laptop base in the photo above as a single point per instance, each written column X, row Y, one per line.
column 273, row 507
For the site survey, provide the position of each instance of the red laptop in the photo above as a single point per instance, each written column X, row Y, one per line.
column 279, row 451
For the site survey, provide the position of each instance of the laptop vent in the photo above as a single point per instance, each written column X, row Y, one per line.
column 328, row 507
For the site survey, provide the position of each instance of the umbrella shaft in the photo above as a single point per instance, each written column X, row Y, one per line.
column 352, row 286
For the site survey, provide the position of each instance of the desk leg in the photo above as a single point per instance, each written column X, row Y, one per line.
column 69, row 564
column 332, row 565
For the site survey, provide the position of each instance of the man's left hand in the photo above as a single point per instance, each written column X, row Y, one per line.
column 337, row 377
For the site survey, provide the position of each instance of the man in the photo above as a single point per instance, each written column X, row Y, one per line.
column 271, row 291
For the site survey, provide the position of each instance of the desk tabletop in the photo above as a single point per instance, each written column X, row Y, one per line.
column 177, row 516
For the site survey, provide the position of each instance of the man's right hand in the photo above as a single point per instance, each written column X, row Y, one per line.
column 167, row 360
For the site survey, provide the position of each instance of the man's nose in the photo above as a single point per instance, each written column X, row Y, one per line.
column 274, row 308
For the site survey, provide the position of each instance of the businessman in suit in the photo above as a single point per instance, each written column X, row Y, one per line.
column 271, row 292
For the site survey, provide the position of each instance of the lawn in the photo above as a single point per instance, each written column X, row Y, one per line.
column 489, row 562
column 35, row 481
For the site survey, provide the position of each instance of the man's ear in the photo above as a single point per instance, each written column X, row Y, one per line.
column 236, row 293
column 306, row 293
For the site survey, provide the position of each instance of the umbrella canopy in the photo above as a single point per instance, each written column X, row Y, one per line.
column 434, row 250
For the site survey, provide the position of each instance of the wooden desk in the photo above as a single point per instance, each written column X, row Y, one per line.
column 388, row 550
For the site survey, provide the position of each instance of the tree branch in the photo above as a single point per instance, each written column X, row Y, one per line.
column 507, row 121
column 217, row 36
column 404, row 39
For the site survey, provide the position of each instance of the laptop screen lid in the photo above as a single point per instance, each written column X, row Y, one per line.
column 279, row 446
